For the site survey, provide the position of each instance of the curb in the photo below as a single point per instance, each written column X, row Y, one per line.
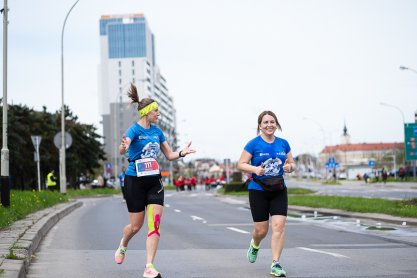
column 24, row 236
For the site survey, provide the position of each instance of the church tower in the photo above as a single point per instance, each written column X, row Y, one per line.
column 345, row 138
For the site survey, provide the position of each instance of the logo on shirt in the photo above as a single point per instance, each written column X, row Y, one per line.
column 272, row 166
column 141, row 137
column 263, row 154
column 150, row 150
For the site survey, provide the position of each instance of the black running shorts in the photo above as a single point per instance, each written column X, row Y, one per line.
column 143, row 191
column 265, row 203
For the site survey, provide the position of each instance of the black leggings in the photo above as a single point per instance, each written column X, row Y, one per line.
column 265, row 203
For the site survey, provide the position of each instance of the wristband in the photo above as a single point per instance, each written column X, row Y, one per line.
column 180, row 154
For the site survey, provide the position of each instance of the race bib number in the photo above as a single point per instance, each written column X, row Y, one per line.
column 146, row 167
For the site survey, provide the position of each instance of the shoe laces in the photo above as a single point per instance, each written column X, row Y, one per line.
column 277, row 265
column 122, row 251
column 254, row 251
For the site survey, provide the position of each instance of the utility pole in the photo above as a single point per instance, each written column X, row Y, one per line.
column 4, row 180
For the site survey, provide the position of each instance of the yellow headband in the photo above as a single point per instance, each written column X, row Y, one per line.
column 148, row 108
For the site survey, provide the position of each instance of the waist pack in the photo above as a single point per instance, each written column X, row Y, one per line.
column 271, row 183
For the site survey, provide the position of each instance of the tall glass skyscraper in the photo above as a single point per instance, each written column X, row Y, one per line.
column 128, row 56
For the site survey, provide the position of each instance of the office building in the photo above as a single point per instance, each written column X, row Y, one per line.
column 128, row 56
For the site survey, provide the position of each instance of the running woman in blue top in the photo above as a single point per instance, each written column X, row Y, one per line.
column 267, row 157
column 142, row 183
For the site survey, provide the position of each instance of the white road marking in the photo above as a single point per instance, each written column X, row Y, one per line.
column 360, row 245
column 233, row 224
column 177, row 210
column 323, row 252
column 167, row 205
column 238, row 230
column 232, row 201
column 198, row 218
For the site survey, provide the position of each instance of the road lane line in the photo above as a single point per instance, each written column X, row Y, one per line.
column 237, row 230
column 323, row 252
column 177, row 210
column 233, row 224
column 361, row 245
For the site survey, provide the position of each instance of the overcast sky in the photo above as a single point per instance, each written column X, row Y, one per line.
column 316, row 64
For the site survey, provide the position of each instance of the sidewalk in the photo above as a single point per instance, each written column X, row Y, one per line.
column 19, row 242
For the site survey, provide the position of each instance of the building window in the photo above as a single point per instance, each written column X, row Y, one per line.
column 133, row 63
column 120, row 64
column 120, row 72
column 120, row 81
column 133, row 72
column 133, row 80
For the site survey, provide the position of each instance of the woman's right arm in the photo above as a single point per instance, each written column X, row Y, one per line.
column 124, row 145
column 244, row 165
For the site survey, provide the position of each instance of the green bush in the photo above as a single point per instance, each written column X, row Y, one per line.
column 235, row 186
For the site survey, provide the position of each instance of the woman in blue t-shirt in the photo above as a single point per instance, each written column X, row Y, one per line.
column 267, row 157
column 142, row 183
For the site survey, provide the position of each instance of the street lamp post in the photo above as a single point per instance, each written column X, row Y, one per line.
column 5, row 190
column 397, row 108
column 323, row 133
column 321, row 129
column 402, row 115
column 415, row 116
column 62, row 166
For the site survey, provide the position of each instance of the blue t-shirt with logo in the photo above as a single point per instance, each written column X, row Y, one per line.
column 272, row 155
column 145, row 144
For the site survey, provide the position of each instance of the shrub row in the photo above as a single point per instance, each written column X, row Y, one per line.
column 235, row 186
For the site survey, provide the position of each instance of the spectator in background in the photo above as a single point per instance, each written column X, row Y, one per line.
column 121, row 181
column 401, row 173
column 51, row 181
column 384, row 175
column 365, row 177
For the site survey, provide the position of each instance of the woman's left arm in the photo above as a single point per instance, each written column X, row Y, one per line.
column 289, row 165
column 170, row 155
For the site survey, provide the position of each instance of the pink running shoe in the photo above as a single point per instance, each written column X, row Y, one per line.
column 151, row 272
column 120, row 254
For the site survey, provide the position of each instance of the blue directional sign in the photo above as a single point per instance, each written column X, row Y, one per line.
column 371, row 163
column 331, row 163
column 410, row 131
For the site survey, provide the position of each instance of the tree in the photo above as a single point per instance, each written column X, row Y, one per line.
column 84, row 155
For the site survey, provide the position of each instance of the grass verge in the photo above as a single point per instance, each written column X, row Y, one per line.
column 303, row 197
column 23, row 203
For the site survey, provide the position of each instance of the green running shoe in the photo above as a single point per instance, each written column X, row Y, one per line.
column 252, row 253
column 277, row 270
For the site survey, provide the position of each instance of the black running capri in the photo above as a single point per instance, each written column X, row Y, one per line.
column 265, row 203
column 143, row 191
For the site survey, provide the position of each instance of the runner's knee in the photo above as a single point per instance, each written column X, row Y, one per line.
column 154, row 220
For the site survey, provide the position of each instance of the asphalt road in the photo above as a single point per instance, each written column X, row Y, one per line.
column 207, row 236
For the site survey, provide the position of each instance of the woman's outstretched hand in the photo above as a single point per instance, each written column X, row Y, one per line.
column 187, row 149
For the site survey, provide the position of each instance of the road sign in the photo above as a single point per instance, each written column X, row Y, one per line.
column 371, row 163
column 108, row 167
column 410, row 131
column 36, row 140
column 67, row 140
column 332, row 165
